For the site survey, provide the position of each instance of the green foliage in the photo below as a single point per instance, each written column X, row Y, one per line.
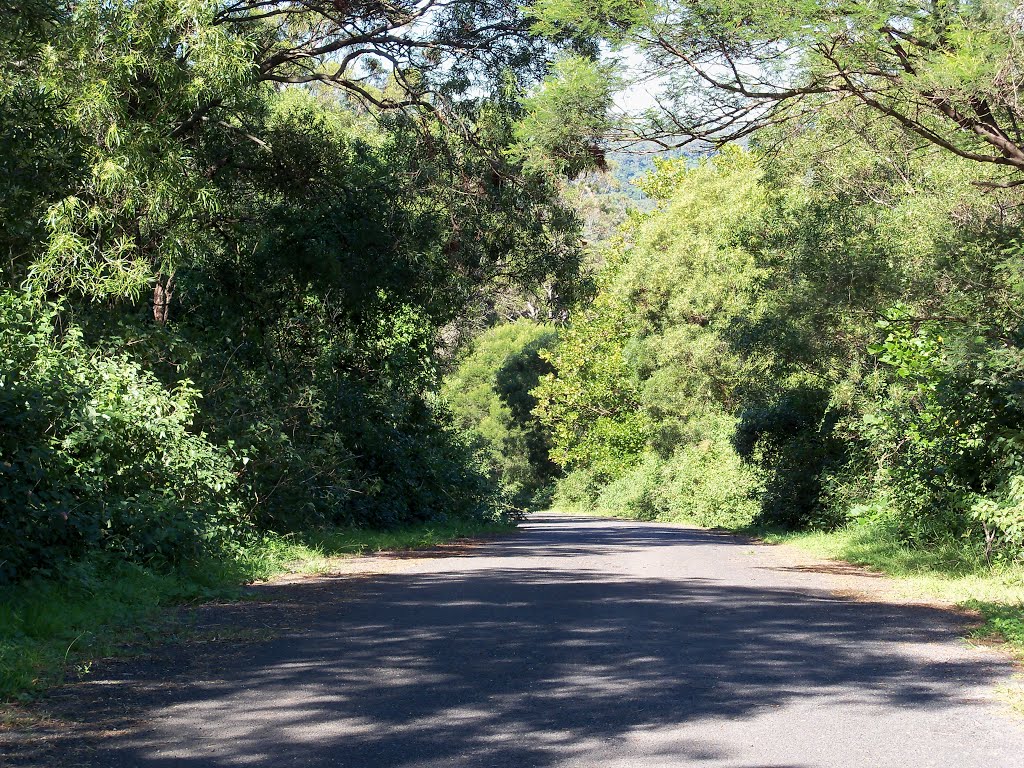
column 624, row 370
column 1005, row 622
column 226, row 301
column 792, row 440
column 706, row 483
column 703, row 482
column 634, row 493
column 567, row 118
column 577, row 489
column 593, row 18
column 949, row 432
column 223, row 301
column 589, row 404
column 845, row 312
column 490, row 397
column 96, row 454
column 941, row 75
column 644, row 377
column 142, row 200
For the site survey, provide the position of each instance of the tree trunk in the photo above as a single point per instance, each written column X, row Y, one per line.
column 163, row 292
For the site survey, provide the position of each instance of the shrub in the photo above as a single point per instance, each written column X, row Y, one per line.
column 95, row 453
column 792, row 442
column 490, row 394
column 636, row 493
column 947, row 433
column 708, row 484
column 576, row 490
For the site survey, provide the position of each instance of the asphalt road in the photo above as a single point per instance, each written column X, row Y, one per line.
column 583, row 642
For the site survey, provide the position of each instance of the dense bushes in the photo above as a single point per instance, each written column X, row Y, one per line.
column 948, row 432
column 797, row 341
column 224, row 298
column 702, row 482
column 792, row 440
column 645, row 378
column 98, row 455
column 490, row 394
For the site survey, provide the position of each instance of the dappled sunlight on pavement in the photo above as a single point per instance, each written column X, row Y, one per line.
column 584, row 642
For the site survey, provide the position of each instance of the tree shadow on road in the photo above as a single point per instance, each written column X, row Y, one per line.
column 503, row 666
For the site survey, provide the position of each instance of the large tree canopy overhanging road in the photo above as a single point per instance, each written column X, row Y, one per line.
column 580, row 642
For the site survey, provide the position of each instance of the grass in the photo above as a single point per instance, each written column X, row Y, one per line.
column 952, row 572
column 50, row 628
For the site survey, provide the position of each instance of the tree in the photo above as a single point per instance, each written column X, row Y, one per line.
column 949, row 73
column 164, row 106
column 567, row 117
column 210, row 223
column 490, row 394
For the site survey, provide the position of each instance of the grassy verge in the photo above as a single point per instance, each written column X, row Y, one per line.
column 951, row 572
column 51, row 627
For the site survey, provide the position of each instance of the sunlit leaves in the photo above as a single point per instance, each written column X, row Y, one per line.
column 567, row 117
column 127, row 77
column 949, row 76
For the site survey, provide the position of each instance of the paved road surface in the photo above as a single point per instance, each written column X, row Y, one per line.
column 584, row 643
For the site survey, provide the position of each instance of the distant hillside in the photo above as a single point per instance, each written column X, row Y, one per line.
column 627, row 166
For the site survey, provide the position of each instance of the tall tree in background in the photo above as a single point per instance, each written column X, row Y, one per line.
column 152, row 101
column 949, row 73
column 233, row 237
